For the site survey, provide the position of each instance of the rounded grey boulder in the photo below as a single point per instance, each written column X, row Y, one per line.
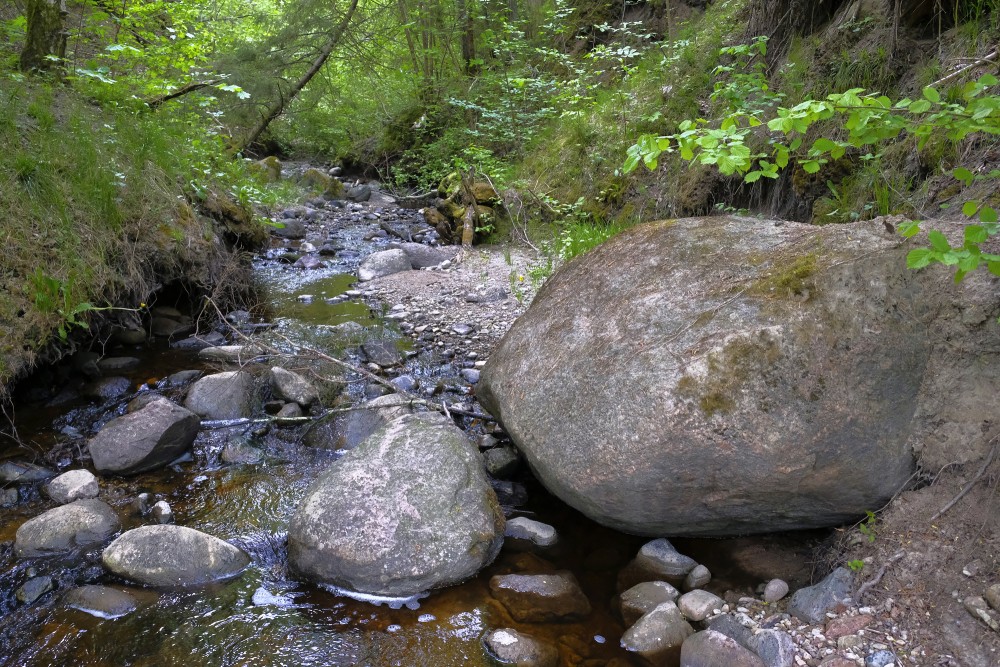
column 383, row 263
column 221, row 396
column 64, row 528
column 100, row 601
column 408, row 510
column 167, row 556
column 145, row 439
column 72, row 485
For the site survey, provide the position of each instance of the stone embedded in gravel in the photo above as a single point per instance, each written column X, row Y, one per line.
column 657, row 636
column 657, row 561
column 462, row 329
column 980, row 609
column 359, row 193
column 230, row 354
column 471, row 375
column 72, row 485
column 221, row 396
column 992, row 596
column 644, row 598
column 382, row 352
column 510, row 647
column 540, row 598
column 537, row 533
column 100, row 601
column 423, row 256
column 697, row 605
column 697, row 578
column 774, row 647
column 33, row 589
column 383, row 263
column 291, row 229
column 501, row 462
column 117, row 364
column 729, row 625
column 168, row 555
column 289, row 411
column 290, row 386
column 161, row 512
column 143, row 440
column 106, row 388
column 22, row 472
column 409, row 509
column 309, row 262
column 881, row 658
column 811, row 603
column 714, row 649
column 775, row 590
column 64, row 528
column 847, row 625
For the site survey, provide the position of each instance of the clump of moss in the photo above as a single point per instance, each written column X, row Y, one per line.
column 789, row 280
column 728, row 370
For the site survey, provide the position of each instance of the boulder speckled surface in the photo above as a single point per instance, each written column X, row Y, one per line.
column 222, row 395
column 720, row 376
column 145, row 439
column 64, row 528
column 168, row 556
column 408, row 510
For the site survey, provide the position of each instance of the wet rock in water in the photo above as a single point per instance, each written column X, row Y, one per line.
column 501, row 462
column 240, row 451
column 657, row 636
column 471, row 375
column 181, row 378
column 141, row 505
column 100, row 601
column 211, row 339
column 290, row 386
column 34, row 588
column 127, row 336
column 510, row 647
column 774, row 647
column 289, row 411
column 527, row 530
column 786, row 371
column 383, row 263
column 811, row 603
column 290, row 228
column 644, row 598
column 382, row 352
column 230, row 354
column 168, row 556
column 165, row 327
column 161, row 512
column 8, row 497
column 309, row 263
column 698, row 605
column 657, row 561
column 775, row 590
column 117, row 364
column 711, row 649
column 72, row 485
column 697, row 578
column 143, row 440
column 408, row 510
column 64, row 528
column 23, row 472
column 423, row 256
column 540, row 598
column 106, row 388
column 221, row 396
column 349, row 430
column 510, row 494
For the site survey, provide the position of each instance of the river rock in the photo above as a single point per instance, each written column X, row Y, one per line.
column 229, row 354
column 644, row 598
column 423, row 256
column 118, row 364
column 775, row 590
column 657, row 561
column 729, row 625
column 240, row 451
column 100, row 601
column 511, row 647
column 72, row 485
column 713, row 649
column 161, row 512
column 168, row 556
column 501, row 462
column 289, row 228
column 23, row 472
column 698, row 605
column 143, row 440
column 658, row 635
column 34, row 588
column 383, row 263
column 811, row 603
column 382, row 352
column 104, row 389
column 290, row 386
column 802, row 366
column 774, row 647
column 221, row 396
column 697, row 578
column 359, row 193
column 8, row 497
column 540, row 598
column 64, row 528
column 992, row 596
column 534, row 532
column 409, row 509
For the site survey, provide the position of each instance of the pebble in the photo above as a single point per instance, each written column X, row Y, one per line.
column 33, row 589
column 775, row 590
column 162, row 513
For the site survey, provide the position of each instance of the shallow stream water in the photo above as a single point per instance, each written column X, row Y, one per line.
column 266, row 617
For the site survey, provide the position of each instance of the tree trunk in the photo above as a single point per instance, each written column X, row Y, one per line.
column 46, row 35
column 466, row 21
column 279, row 105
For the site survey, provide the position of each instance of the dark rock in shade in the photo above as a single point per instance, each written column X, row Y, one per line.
column 289, row 411
column 211, row 339
column 72, row 485
column 644, row 598
column 359, row 193
column 8, row 497
column 382, row 352
column 117, row 364
column 167, row 556
column 289, row 228
column 422, row 256
column 804, row 382
column 128, row 336
column 383, row 263
column 106, row 388
column 64, row 528
column 100, row 601
column 349, row 430
column 510, row 647
column 728, row 625
column 530, row 531
column 501, row 462
column 540, row 598
column 409, row 509
column 181, row 378
column 658, row 635
column 657, row 561
column 774, row 647
column 697, row 578
column 34, row 588
column 812, row 602
column 143, row 440
column 23, row 472
column 714, row 649
column 222, row 396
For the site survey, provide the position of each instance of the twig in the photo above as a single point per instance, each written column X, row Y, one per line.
column 972, row 482
column 243, row 421
column 981, row 61
column 865, row 587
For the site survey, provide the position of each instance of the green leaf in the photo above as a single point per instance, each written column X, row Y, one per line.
column 753, row 176
column 994, row 268
column 932, row 94
column 938, row 241
column 920, row 106
column 964, row 175
column 918, row 258
column 975, row 234
column 909, row 229
column 824, row 145
column 969, row 208
column 988, row 214
column 810, row 166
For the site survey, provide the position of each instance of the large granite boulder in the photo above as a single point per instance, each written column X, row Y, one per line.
column 228, row 395
column 408, row 510
column 726, row 375
column 384, row 263
column 143, row 440
column 78, row 524
column 167, row 556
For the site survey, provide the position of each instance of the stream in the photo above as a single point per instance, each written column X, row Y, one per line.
column 266, row 617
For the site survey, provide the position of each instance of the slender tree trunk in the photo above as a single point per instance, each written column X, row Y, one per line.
column 466, row 22
column 404, row 16
column 279, row 105
column 46, row 35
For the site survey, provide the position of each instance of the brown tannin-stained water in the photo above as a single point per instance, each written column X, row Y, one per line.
column 266, row 617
